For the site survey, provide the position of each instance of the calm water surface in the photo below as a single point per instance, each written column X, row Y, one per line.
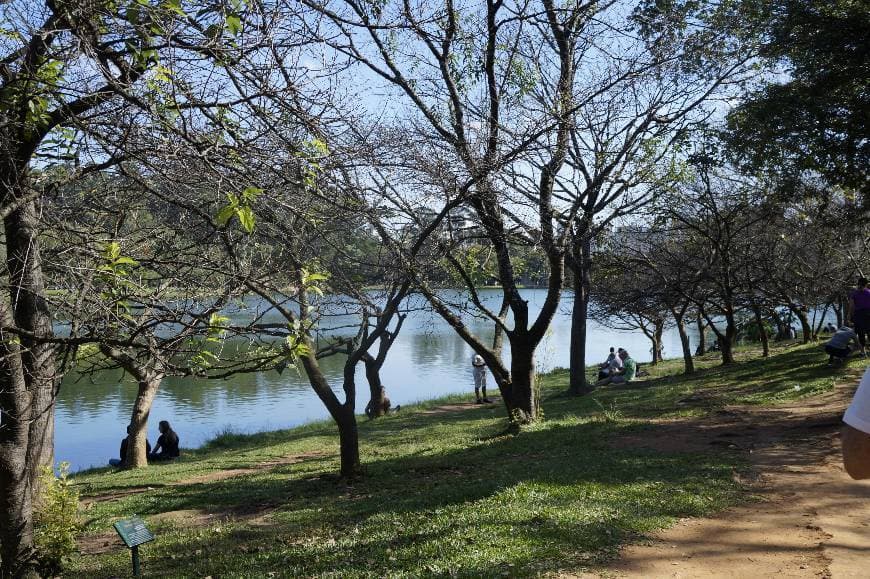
column 428, row 360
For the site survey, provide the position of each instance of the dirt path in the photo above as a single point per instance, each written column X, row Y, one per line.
column 811, row 519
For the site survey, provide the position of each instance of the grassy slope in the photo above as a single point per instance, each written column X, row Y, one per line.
column 447, row 493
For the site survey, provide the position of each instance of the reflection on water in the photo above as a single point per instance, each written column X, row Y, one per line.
column 428, row 360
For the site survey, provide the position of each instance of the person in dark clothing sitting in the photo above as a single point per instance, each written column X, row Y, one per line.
column 167, row 443
column 123, row 454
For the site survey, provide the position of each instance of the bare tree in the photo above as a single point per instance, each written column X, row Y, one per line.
column 481, row 86
column 715, row 222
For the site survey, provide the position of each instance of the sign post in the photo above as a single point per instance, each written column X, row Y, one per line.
column 134, row 533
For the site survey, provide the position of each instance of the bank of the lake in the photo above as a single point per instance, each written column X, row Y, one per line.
column 446, row 491
column 429, row 360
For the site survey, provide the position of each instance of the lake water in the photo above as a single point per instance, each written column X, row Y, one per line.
column 427, row 360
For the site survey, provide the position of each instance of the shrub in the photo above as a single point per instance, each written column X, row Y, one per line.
column 55, row 521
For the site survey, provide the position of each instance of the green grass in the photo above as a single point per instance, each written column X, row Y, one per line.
column 446, row 494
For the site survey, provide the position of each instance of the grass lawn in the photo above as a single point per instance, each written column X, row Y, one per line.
column 446, row 491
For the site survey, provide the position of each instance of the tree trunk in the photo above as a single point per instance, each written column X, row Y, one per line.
column 702, row 337
column 30, row 312
column 727, row 341
column 838, row 311
column 342, row 414
column 762, row 332
column 16, row 498
column 780, row 325
column 656, row 339
column 817, row 328
column 521, row 403
column 498, row 335
column 348, row 437
column 137, row 454
column 377, row 394
column 688, row 362
column 806, row 328
column 581, row 266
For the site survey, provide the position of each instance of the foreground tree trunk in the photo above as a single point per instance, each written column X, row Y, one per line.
column 16, row 499
column 28, row 385
column 726, row 339
column 30, row 313
column 137, row 451
column 581, row 265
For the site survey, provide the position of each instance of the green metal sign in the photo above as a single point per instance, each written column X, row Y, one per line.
column 133, row 532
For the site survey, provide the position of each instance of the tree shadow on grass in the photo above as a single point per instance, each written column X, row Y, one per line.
column 551, row 495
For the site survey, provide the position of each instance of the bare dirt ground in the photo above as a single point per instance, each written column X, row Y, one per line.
column 809, row 520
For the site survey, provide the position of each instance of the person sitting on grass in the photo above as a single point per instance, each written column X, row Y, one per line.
column 605, row 369
column 167, row 443
column 839, row 346
column 625, row 374
column 123, row 454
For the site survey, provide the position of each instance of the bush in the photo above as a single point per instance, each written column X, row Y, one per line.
column 750, row 330
column 55, row 521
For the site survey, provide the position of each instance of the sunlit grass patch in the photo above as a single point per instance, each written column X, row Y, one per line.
column 447, row 493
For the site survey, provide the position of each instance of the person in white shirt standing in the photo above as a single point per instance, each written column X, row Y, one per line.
column 856, row 432
column 478, row 368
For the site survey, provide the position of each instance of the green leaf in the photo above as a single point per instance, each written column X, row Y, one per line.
column 123, row 260
column 113, row 251
column 224, row 215
column 246, row 218
column 133, row 14
column 174, row 6
column 233, row 24
column 251, row 193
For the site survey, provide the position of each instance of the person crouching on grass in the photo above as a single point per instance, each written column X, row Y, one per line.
column 478, row 368
column 839, row 346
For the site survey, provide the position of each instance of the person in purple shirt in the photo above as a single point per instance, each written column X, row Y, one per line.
column 859, row 312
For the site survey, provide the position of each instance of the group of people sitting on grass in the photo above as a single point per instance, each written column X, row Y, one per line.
column 853, row 334
column 166, row 449
column 619, row 368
